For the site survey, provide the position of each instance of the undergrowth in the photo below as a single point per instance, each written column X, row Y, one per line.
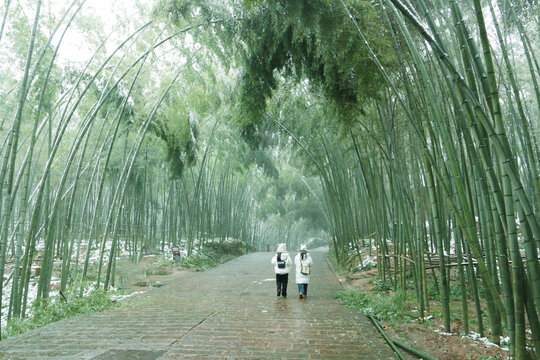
column 206, row 260
column 198, row 262
column 388, row 306
column 51, row 310
column 339, row 268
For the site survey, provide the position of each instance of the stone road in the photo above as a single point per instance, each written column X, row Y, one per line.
column 229, row 312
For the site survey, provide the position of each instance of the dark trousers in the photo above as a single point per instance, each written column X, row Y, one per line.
column 281, row 282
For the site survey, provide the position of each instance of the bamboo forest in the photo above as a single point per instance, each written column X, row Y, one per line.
column 155, row 153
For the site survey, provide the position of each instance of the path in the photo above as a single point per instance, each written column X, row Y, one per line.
column 228, row 312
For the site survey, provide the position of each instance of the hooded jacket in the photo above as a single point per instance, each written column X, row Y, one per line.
column 282, row 248
column 301, row 278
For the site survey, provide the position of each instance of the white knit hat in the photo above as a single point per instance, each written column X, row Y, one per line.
column 303, row 247
column 282, row 247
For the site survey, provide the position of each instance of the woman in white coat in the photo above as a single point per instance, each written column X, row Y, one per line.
column 282, row 264
column 303, row 263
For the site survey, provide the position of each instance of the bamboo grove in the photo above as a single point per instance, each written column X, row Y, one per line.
column 435, row 157
column 406, row 126
column 449, row 187
column 128, row 153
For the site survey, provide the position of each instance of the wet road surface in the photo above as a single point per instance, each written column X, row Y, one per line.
column 229, row 312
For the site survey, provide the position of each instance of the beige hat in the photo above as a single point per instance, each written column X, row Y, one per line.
column 282, row 247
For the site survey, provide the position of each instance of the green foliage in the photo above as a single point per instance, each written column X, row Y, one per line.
column 179, row 135
column 316, row 40
column 311, row 39
column 199, row 262
column 455, row 292
column 150, row 283
column 160, row 267
column 522, row 9
column 433, row 289
column 263, row 161
column 381, row 285
column 215, row 253
column 49, row 311
column 330, row 255
column 385, row 306
column 158, row 272
column 236, row 248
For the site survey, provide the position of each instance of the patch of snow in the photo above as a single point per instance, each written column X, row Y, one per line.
column 32, row 295
column 443, row 333
column 121, row 297
column 476, row 337
column 369, row 261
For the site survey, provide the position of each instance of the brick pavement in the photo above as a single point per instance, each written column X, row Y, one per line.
column 229, row 312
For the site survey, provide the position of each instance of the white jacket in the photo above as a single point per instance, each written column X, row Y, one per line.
column 288, row 263
column 308, row 261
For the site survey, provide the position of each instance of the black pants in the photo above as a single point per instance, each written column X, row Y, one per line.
column 281, row 282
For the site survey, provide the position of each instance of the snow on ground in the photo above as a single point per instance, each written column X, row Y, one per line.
column 368, row 262
column 443, row 333
column 32, row 295
column 476, row 336
column 121, row 297
column 478, row 339
column 55, row 283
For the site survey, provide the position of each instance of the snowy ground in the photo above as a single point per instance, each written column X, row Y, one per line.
column 477, row 338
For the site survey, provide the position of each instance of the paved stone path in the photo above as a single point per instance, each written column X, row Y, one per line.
column 228, row 312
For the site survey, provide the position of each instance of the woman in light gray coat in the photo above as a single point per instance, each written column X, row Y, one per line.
column 303, row 263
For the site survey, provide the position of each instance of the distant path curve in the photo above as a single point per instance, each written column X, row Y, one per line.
column 228, row 312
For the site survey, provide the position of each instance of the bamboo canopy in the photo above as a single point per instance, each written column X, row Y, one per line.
column 404, row 133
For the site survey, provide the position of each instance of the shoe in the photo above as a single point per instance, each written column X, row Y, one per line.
column 305, row 296
column 301, row 296
column 279, row 293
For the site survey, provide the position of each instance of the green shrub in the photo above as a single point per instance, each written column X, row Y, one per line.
column 386, row 306
column 369, row 266
column 340, row 269
column 145, row 283
column 236, row 247
column 211, row 255
column 198, row 262
column 381, row 285
column 50, row 311
column 158, row 272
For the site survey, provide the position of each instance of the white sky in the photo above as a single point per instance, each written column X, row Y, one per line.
column 110, row 13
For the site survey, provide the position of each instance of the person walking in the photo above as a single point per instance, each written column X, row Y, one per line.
column 282, row 265
column 303, row 263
